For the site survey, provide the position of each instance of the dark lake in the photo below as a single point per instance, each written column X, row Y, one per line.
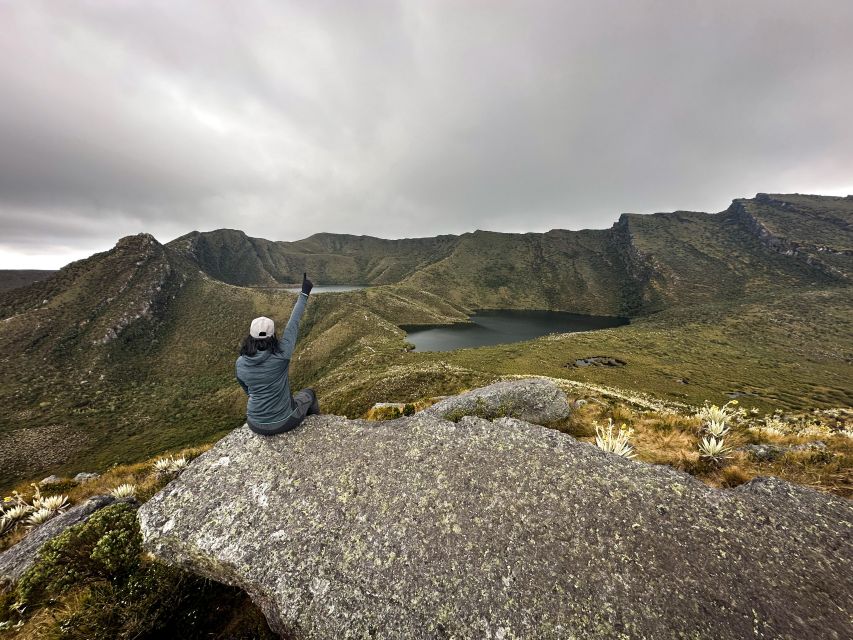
column 500, row 327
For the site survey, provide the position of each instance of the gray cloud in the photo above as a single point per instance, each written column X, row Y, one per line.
column 402, row 119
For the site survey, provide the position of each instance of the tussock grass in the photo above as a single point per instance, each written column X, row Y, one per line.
column 669, row 437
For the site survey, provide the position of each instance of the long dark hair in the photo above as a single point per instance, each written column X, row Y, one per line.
column 251, row 345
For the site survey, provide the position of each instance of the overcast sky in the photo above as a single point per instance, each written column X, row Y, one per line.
column 407, row 118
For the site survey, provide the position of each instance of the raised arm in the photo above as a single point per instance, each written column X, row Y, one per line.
column 291, row 331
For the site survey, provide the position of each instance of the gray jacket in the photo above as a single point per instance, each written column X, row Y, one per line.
column 264, row 377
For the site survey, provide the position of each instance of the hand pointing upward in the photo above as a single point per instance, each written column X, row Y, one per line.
column 307, row 285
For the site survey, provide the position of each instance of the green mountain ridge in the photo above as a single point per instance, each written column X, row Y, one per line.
column 130, row 352
column 642, row 264
column 234, row 257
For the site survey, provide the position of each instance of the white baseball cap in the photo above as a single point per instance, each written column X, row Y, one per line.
column 262, row 327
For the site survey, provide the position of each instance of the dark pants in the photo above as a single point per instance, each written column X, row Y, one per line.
column 306, row 402
column 306, row 405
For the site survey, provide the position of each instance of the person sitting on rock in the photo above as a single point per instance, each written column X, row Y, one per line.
column 262, row 371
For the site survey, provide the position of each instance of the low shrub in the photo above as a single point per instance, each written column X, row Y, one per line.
column 107, row 548
column 97, row 586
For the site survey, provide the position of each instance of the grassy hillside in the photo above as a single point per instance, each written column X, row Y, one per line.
column 131, row 352
column 559, row 270
column 14, row 278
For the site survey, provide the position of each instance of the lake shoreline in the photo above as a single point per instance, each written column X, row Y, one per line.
column 490, row 327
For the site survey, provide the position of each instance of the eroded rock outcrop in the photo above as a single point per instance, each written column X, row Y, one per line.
column 808, row 252
column 424, row 528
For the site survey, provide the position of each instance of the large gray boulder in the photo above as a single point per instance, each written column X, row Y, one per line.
column 534, row 400
column 15, row 561
column 424, row 528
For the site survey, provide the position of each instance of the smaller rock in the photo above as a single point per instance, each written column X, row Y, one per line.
column 535, row 400
column 50, row 480
column 817, row 445
column 770, row 452
column 85, row 476
column 598, row 361
column 763, row 452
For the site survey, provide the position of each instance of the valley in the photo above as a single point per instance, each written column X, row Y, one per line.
column 130, row 352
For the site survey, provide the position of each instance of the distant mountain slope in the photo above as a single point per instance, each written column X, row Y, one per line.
column 14, row 278
column 697, row 257
column 91, row 301
column 643, row 264
column 69, row 346
column 581, row 271
column 817, row 229
column 234, row 257
column 811, row 222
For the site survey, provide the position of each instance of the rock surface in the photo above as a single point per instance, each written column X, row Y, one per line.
column 531, row 399
column 598, row 361
column 424, row 528
column 770, row 452
column 85, row 476
column 15, row 561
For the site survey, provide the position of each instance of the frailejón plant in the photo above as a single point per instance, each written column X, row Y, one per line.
column 615, row 441
column 12, row 517
column 123, row 491
column 163, row 465
column 40, row 516
column 713, row 448
column 52, row 503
